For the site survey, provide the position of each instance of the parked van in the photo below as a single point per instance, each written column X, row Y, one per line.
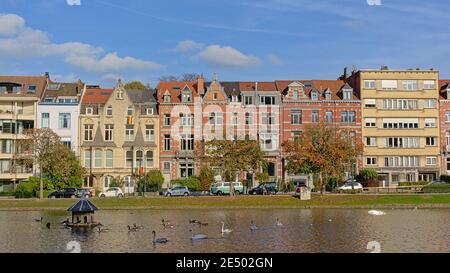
column 221, row 188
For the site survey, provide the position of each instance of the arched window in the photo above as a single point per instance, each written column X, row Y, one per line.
column 149, row 159
column 98, row 158
column 139, row 159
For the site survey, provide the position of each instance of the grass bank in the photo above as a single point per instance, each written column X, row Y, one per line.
column 325, row 201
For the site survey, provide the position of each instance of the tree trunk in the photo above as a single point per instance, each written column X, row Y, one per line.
column 321, row 182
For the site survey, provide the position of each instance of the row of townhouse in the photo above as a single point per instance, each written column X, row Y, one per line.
column 402, row 117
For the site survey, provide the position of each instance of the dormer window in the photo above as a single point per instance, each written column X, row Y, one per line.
column 149, row 111
column 186, row 95
column 314, row 95
column 89, row 110
column 120, row 94
column 130, row 111
column 234, row 98
column 295, row 93
column 327, row 95
column 347, row 94
column 31, row 89
column 167, row 96
column 109, row 110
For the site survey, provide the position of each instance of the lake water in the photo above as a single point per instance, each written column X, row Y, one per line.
column 306, row 230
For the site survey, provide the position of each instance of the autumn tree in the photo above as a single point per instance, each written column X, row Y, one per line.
column 136, row 85
column 64, row 170
column 232, row 157
column 323, row 150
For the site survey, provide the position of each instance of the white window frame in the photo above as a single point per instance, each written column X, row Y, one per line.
column 429, row 103
column 431, row 160
column 89, row 111
column 370, row 84
column 429, row 84
column 389, row 84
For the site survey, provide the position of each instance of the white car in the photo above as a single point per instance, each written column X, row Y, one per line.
column 348, row 187
column 111, row 192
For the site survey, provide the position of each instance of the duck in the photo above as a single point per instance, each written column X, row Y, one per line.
column 138, row 227
column 225, row 230
column 48, row 225
column 159, row 240
column 39, row 220
column 279, row 224
column 65, row 222
column 130, row 229
column 100, row 230
column 193, row 221
column 198, row 236
column 253, row 226
column 166, row 224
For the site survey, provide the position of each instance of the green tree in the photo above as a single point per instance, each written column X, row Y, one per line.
column 64, row 169
column 323, row 150
column 366, row 176
column 136, row 85
column 152, row 181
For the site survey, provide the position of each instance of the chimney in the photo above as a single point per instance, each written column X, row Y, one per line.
column 47, row 75
column 384, row 67
column 201, row 85
column 345, row 74
column 256, row 86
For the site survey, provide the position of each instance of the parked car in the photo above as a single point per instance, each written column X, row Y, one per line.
column 64, row 193
column 439, row 182
column 178, row 191
column 223, row 188
column 111, row 192
column 84, row 193
column 348, row 187
column 266, row 187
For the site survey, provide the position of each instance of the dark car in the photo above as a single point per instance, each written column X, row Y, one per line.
column 64, row 193
column 264, row 188
column 84, row 193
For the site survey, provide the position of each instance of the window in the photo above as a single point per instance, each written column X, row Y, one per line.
column 187, row 142
column 186, row 170
column 315, row 116
column 108, row 180
column 370, row 160
column 348, row 117
column 235, row 119
column 166, row 98
column 109, row 132
column 431, row 141
column 369, row 84
column 430, row 103
column 186, row 96
column 430, row 122
column 295, row 92
column 148, row 111
column 98, row 158
column 448, row 163
column 219, row 118
column 347, row 94
column 314, row 96
column 87, row 159
column 410, row 85
column 267, row 118
column 328, row 95
column 402, row 142
column 109, row 111
column 268, row 141
column 166, row 142
column 406, row 123
column 120, row 94
column 6, row 146
column 267, row 100
column 88, row 132
column 64, row 121
column 89, row 111
column 130, row 111
column 129, row 159
column 31, row 89
column 248, row 100
column 149, row 159
column 166, row 119
column 139, row 159
column 371, row 141
column 329, row 116
column 215, row 96
column 234, row 98
column 67, row 143
column 389, row 84
column 401, row 161
column 248, row 119
column 431, row 160
column 296, row 116
column 371, row 122
column 370, row 103
column 296, row 135
column 400, row 104
column 166, row 167
column 447, row 116
column 430, row 84
column 45, row 122
column 129, row 132
column 109, row 159
column 149, row 132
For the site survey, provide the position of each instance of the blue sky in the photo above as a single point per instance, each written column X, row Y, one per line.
column 101, row 40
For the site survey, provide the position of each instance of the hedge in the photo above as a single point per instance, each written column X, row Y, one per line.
column 420, row 183
column 7, row 193
column 193, row 183
column 437, row 188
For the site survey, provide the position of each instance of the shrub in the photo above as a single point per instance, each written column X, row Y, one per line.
column 25, row 189
column 206, row 178
column 193, row 183
column 7, row 193
column 367, row 177
column 152, row 181
column 437, row 188
column 420, row 183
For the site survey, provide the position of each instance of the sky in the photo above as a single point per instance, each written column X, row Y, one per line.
column 99, row 41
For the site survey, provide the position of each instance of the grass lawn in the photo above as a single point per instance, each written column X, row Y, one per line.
column 423, row 200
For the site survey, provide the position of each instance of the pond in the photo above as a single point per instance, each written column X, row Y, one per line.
column 303, row 230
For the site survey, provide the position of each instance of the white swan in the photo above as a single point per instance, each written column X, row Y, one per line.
column 225, row 230
column 279, row 223
column 198, row 236
column 253, row 226
column 376, row 212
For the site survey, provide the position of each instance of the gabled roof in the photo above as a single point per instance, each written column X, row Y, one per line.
column 262, row 86
column 83, row 205
column 443, row 85
column 174, row 89
column 39, row 81
column 63, row 90
column 335, row 87
column 230, row 88
column 96, row 96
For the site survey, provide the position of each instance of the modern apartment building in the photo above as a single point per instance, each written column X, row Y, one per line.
column 400, row 123
column 19, row 97
column 119, row 132
column 59, row 110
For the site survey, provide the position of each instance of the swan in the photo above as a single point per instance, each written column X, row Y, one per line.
column 279, row 223
column 39, row 220
column 376, row 212
column 159, row 240
column 198, row 236
column 226, row 230
column 253, row 226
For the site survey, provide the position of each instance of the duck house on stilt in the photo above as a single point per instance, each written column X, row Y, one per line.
column 82, row 214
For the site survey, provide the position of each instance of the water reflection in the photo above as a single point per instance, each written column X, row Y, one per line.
column 314, row 230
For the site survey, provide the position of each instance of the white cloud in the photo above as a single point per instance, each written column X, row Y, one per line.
column 10, row 24
column 188, row 45
column 227, row 56
column 73, row 2
column 26, row 42
column 274, row 59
